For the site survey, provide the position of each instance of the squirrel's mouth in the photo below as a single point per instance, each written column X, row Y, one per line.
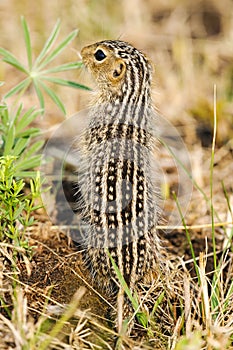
column 84, row 55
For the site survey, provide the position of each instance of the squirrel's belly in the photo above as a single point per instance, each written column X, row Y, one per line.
column 118, row 194
column 120, row 204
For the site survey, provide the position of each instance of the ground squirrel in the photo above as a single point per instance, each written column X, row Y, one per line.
column 119, row 198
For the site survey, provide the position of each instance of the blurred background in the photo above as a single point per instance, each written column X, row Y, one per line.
column 189, row 42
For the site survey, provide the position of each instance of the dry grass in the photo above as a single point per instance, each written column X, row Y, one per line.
column 190, row 44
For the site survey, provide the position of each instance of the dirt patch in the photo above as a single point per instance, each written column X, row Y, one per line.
column 57, row 271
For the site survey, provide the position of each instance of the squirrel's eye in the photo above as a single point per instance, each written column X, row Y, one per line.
column 99, row 55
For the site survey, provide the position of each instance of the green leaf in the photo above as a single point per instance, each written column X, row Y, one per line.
column 59, row 48
column 39, row 93
column 123, row 283
column 18, row 112
column 75, row 85
column 11, row 59
column 66, row 83
column 15, row 64
column 10, row 137
column 18, row 211
column 20, row 146
column 32, row 219
column 157, row 303
column 32, row 132
column 48, row 44
column 63, row 67
column 4, row 117
column 17, row 187
column 142, row 319
column 25, row 174
column 3, row 107
column 26, row 119
column 54, row 97
column 36, row 207
column 27, row 41
column 18, row 116
column 34, row 148
column 25, row 164
column 22, row 85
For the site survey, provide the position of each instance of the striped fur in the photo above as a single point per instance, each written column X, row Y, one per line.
column 119, row 198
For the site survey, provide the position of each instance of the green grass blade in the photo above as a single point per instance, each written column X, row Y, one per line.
column 59, row 48
column 217, row 268
column 195, row 184
column 228, row 296
column 39, row 94
column 188, row 237
column 157, row 303
column 63, row 67
column 227, row 199
column 27, row 41
column 141, row 316
column 211, row 180
column 68, row 313
column 23, row 85
column 54, row 97
column 12, row 60
column 68, row 83
column 214, row 297
column 48, row 44
column 123, row 283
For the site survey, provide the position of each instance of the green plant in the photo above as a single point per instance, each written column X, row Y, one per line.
column 140, row 315
column 216, row 290
column 16, row 205
column 19, row 143
column 37, row 73
column 17, row 139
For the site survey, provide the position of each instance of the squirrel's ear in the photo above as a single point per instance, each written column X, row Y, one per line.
column 119, row 70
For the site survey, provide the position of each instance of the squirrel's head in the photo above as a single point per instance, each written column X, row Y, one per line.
column 116, row 65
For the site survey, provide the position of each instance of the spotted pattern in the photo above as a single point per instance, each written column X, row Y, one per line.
column 116, row 179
